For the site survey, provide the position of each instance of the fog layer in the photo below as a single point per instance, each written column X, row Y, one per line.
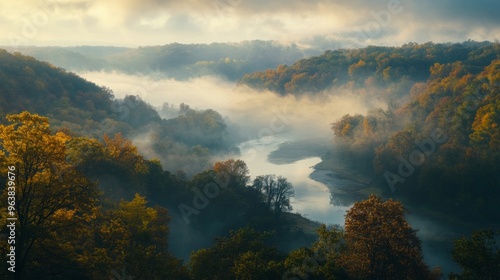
column 251, row 113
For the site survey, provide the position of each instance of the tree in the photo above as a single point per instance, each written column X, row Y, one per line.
column 320, row 261
column 486, row 127
column 380, row 244
column 235, row 170
column 479, row 256
column 276, row 193
column 346, row 126
column 282, row 194
column 265, row 184
column 134, row 237
column 125, row 154
column 242, row 255
column 48, row 188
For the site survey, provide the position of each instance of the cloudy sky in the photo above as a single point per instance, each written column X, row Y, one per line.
column 157, row 22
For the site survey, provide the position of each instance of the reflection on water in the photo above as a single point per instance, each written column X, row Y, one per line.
column 312, row 199
column 327, row 203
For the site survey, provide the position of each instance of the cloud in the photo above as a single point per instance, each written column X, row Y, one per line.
column 252, row 110
column 152, row 22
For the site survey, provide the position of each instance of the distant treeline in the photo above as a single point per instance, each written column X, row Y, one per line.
column 370, row 66
column 178, row 61
column 90, row 206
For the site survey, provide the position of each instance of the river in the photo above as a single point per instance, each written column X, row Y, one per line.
column 324, row 200
column 312, row 198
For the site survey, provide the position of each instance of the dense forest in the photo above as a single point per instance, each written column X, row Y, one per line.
column 393, row 68
column 71, row 225
column 185, row 141
column 440, row 149
column 178, row 61
column 90, row 205
column 437, row 144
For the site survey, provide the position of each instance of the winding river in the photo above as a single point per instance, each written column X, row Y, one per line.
column 312, row 198
column 317, row 201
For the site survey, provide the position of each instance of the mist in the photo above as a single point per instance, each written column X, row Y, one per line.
column 252, row 113
column 259, row 119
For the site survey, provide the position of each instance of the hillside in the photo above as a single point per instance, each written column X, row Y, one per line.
column 372, row 66
column 84, row 108
column 29, row 84
column 175, row 60
column 218, row 218
column 441, row 149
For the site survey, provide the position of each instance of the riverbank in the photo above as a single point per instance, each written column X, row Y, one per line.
column 346, row 185
column 292, row 151
column 331, row 170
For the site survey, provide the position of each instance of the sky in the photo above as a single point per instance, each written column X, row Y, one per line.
column 134, row 23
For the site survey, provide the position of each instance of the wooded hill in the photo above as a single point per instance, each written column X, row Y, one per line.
column 179, row 61
column 370, row 66
column 84, row 108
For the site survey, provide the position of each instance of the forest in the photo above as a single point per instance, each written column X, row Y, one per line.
column 175, row 60
column 437, row 143
column 90, row 205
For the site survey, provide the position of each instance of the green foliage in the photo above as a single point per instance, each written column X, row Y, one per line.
column 381, row 65
column 184, row 142
column 479, row 256
column 89, row 236
column 93, row 238
column 134, row 237
column 242, row 255
column 178, row 61
column 321, row 260
column 458, row 175
column 28, row 84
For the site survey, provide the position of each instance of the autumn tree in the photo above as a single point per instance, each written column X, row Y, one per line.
column 346, row 126
column 52, row 198
column 380, row 244
column 479, row 256
column 235, row 171
column 486, row 127
column 115, row 163
column 124, row 153
column 134, row 237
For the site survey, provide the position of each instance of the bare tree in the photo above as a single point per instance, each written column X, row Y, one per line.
column 265, row 184
column 276, row 192
column 283, row 192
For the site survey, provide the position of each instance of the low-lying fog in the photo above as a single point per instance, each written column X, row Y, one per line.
column 260, row 115
column 252, row 111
